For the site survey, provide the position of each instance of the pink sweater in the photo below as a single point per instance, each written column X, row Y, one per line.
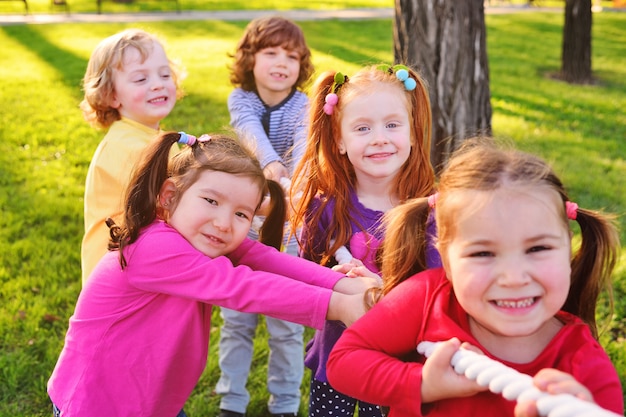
column 138, row 340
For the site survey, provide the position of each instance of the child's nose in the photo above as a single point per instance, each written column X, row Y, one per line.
column 222, row 223
column 380, row 136
column 512, row 273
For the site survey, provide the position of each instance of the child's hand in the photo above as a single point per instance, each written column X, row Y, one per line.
column 552, row 381
column 440, row 381
column 346, row 308
column 275, row 171
column 355, row 268
column 356, row 285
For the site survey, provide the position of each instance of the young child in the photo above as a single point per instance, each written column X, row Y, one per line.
column 130, row 85
column 138, row 339
column 367, row 151
column 510, row 287
column 272, row 63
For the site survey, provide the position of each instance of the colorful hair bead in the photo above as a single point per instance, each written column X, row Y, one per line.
column 432, row 200
column 331, row 101
column 402, row 74
column 409, row 83
column 571, row 209
column 331, row 98
column 186, row 139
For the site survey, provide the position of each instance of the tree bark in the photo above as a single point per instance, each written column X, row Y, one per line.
column 576, row 54
column 446, row 41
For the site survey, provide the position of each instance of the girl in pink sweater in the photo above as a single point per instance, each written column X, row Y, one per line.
column 138, row 340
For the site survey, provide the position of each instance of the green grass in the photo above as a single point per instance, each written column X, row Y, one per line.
column 45, row 148
column 126, row 6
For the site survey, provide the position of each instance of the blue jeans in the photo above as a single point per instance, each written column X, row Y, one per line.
column 285, row 368
column 57, row 413
column 286, row 359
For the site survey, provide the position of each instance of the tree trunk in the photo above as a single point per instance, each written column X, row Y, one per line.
column 576, row 55
column 446, row 41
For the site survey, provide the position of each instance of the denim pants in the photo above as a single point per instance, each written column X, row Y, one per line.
column 286, row 359
column 285, row 368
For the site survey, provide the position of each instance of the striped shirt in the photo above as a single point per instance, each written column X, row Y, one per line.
column 278, row 132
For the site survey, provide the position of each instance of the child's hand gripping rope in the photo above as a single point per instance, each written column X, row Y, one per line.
column 353, row 267
column 514, row 385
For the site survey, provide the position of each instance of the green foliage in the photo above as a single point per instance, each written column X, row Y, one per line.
column 45, row 149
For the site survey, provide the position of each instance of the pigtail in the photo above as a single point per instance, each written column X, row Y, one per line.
column 592, row 265
column 418, row 176
column 403, row 250
column 140, row 203
column 271, row 233
column 323, row 170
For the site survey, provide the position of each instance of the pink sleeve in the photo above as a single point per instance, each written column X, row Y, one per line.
column 162, row 261
column 265, row 258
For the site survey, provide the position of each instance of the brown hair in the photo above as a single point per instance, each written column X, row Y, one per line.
column 480, row 165
column 98, row 79
column 222, row 153
column 267, row 32
column 323, row 172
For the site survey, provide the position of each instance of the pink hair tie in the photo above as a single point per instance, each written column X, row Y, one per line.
column 204, row 138
column 331, row 101
column 432, row 200
column 571, row 209
column 186, row 139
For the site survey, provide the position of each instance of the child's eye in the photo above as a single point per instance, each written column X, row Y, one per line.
column 538, row 248
column 242, row 215
column 392, row 125
column 211, row 201
column 481, row 254
column 362, row 129
column 139, row 80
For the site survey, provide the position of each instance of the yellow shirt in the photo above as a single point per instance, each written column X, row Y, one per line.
column 107, row 179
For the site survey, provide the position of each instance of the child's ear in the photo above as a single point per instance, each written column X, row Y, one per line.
column 114, row 102
column 167, row 195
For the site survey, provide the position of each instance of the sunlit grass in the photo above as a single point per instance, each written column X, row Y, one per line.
column 45, row 148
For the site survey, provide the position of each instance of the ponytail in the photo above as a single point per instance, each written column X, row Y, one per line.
column 271, row 233
column 402, row 253
column 592, row 265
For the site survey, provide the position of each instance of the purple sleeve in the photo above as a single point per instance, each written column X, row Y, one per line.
column 433, row 259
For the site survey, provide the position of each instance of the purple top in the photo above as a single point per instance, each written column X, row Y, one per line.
column 362, row 245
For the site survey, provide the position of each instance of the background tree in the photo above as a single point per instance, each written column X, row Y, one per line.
column 446, row 41
column 576, row 54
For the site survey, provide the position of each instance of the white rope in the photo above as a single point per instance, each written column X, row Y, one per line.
column 342, row 255
column 514, row 385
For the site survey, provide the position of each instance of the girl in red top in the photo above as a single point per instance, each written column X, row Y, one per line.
column 510, row 287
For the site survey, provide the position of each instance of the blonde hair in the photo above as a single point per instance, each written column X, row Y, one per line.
column 108, row 56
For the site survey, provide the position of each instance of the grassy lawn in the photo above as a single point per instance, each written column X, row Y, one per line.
column 123, row 6
column 45, row 148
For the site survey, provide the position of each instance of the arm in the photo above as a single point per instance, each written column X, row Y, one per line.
column 264, row 258
column 246, row 121
column 367, row 361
